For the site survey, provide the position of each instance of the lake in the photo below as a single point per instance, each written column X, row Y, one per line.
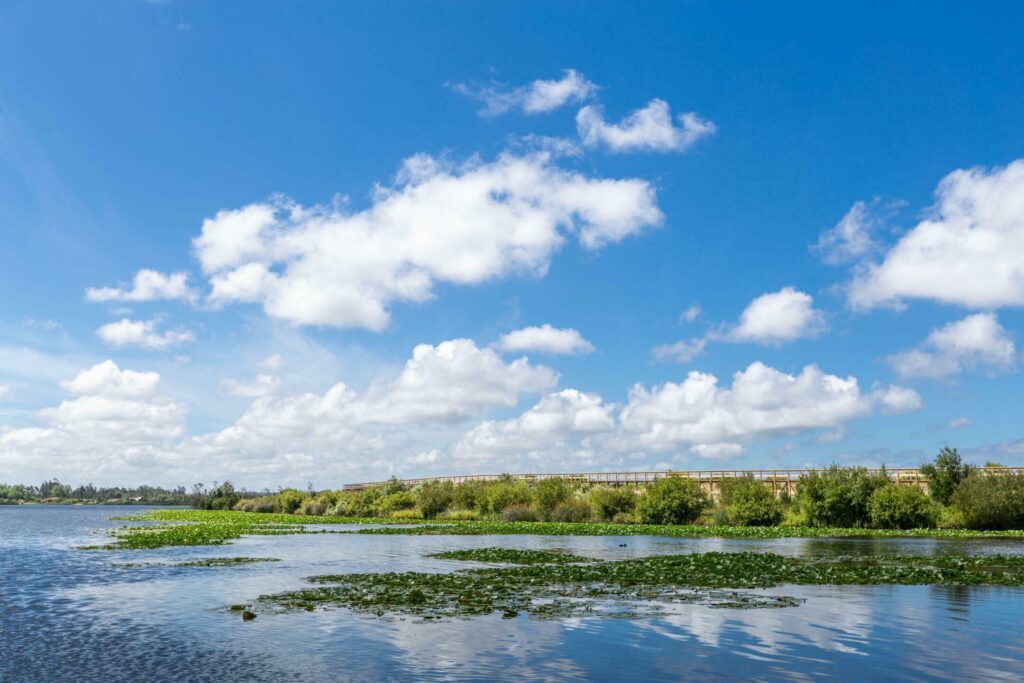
column 67, row 614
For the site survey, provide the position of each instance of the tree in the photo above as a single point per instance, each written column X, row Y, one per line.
column 672, row 500
column 945, row 474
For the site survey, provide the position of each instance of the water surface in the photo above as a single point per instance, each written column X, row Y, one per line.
column 67, row 614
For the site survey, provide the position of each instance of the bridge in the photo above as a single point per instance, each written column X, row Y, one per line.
column 780, row 479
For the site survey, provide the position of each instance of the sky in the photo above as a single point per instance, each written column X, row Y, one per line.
column 318, row 243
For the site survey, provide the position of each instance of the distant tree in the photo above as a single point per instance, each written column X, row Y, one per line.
column 945, row 474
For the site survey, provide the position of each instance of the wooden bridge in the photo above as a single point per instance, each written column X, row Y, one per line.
column 779, row 480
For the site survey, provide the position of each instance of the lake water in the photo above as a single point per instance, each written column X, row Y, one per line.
column 70, row 615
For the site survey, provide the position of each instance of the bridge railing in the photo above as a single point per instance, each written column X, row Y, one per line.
column 782, row 478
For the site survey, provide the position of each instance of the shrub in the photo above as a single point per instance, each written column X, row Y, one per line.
column 550, row 493
column 288, row 501
column 408, row 513
column 459, row 515
column 839, row 496
column 520, row 512
column 994, row 501
column 311, row 506
column 746, row 501
column 570, row 511
column 393, row 502
column 466, row 495
column 608, row 503
column 495, row 497
column 945, row 474
column 901, row 507
column 672, row 500
column 433, row 498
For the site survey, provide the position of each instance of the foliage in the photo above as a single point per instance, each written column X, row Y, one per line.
column 838, row 497
column 512, row 556
column 672, row 500
column 901, row 507
column 550, row 493
column 945, row 474
column 393, row 502
column 433, row 498
column 994, row 501
column 521, row 512
column 745, row 501
column 495, row 497
column 608, row 502
column 288, row 501
column 570, row 511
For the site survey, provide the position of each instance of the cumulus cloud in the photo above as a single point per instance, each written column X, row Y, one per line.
column 263, row 385
column 772, row 318
column 148, row 285
column 5, row 392
column 482, row 221
column 545, row 339
column 143, row 333
column 762, row 402
column 778, row 317
column 690, row 314
column 975, row 342
column 647, row 129
column 555, row 419
column 535, row 98
column 969, row 251
column 117, row 418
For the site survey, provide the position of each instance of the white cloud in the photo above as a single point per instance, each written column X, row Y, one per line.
column 483, row 221
column 545, row 339
column 272, row 362
column 547, row 425
column 5, row 392
column 896, row 400
column 762, row 402
column 263, row 385
column 118, row 421
column 537, row 97
column 106, row 379
column 690, row 314
column 852, row 237
column 143, row 333
column 772, row 318
column 148, row 285
column 976, row 342
column 777, row 317
column 680, row 352
column 647, row 129
column 959, row 423
column 969, row 251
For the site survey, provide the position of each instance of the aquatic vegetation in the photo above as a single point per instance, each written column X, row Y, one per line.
column 469, row 528
column 225, row 561
column 630, row 588
column 512, row 556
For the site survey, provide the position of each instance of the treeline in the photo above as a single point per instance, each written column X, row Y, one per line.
column 958, row 497
column 53, row 491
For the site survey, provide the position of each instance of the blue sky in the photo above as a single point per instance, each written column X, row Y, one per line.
column 732, row 218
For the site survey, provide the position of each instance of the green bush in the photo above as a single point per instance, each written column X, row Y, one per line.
column 495, row 497
column 466, row 495
column 901, row 507
column 838, row 497
column 459, row 515
column 550, row 493
column 745, row 501
column 991, row 502
column 672, row 500
column 433, row 498
column 313, row 507
column 520, row 512
column 393, row 502
column 945, row 474
column 609, row 502
column 570, row 511
column 288, row 501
